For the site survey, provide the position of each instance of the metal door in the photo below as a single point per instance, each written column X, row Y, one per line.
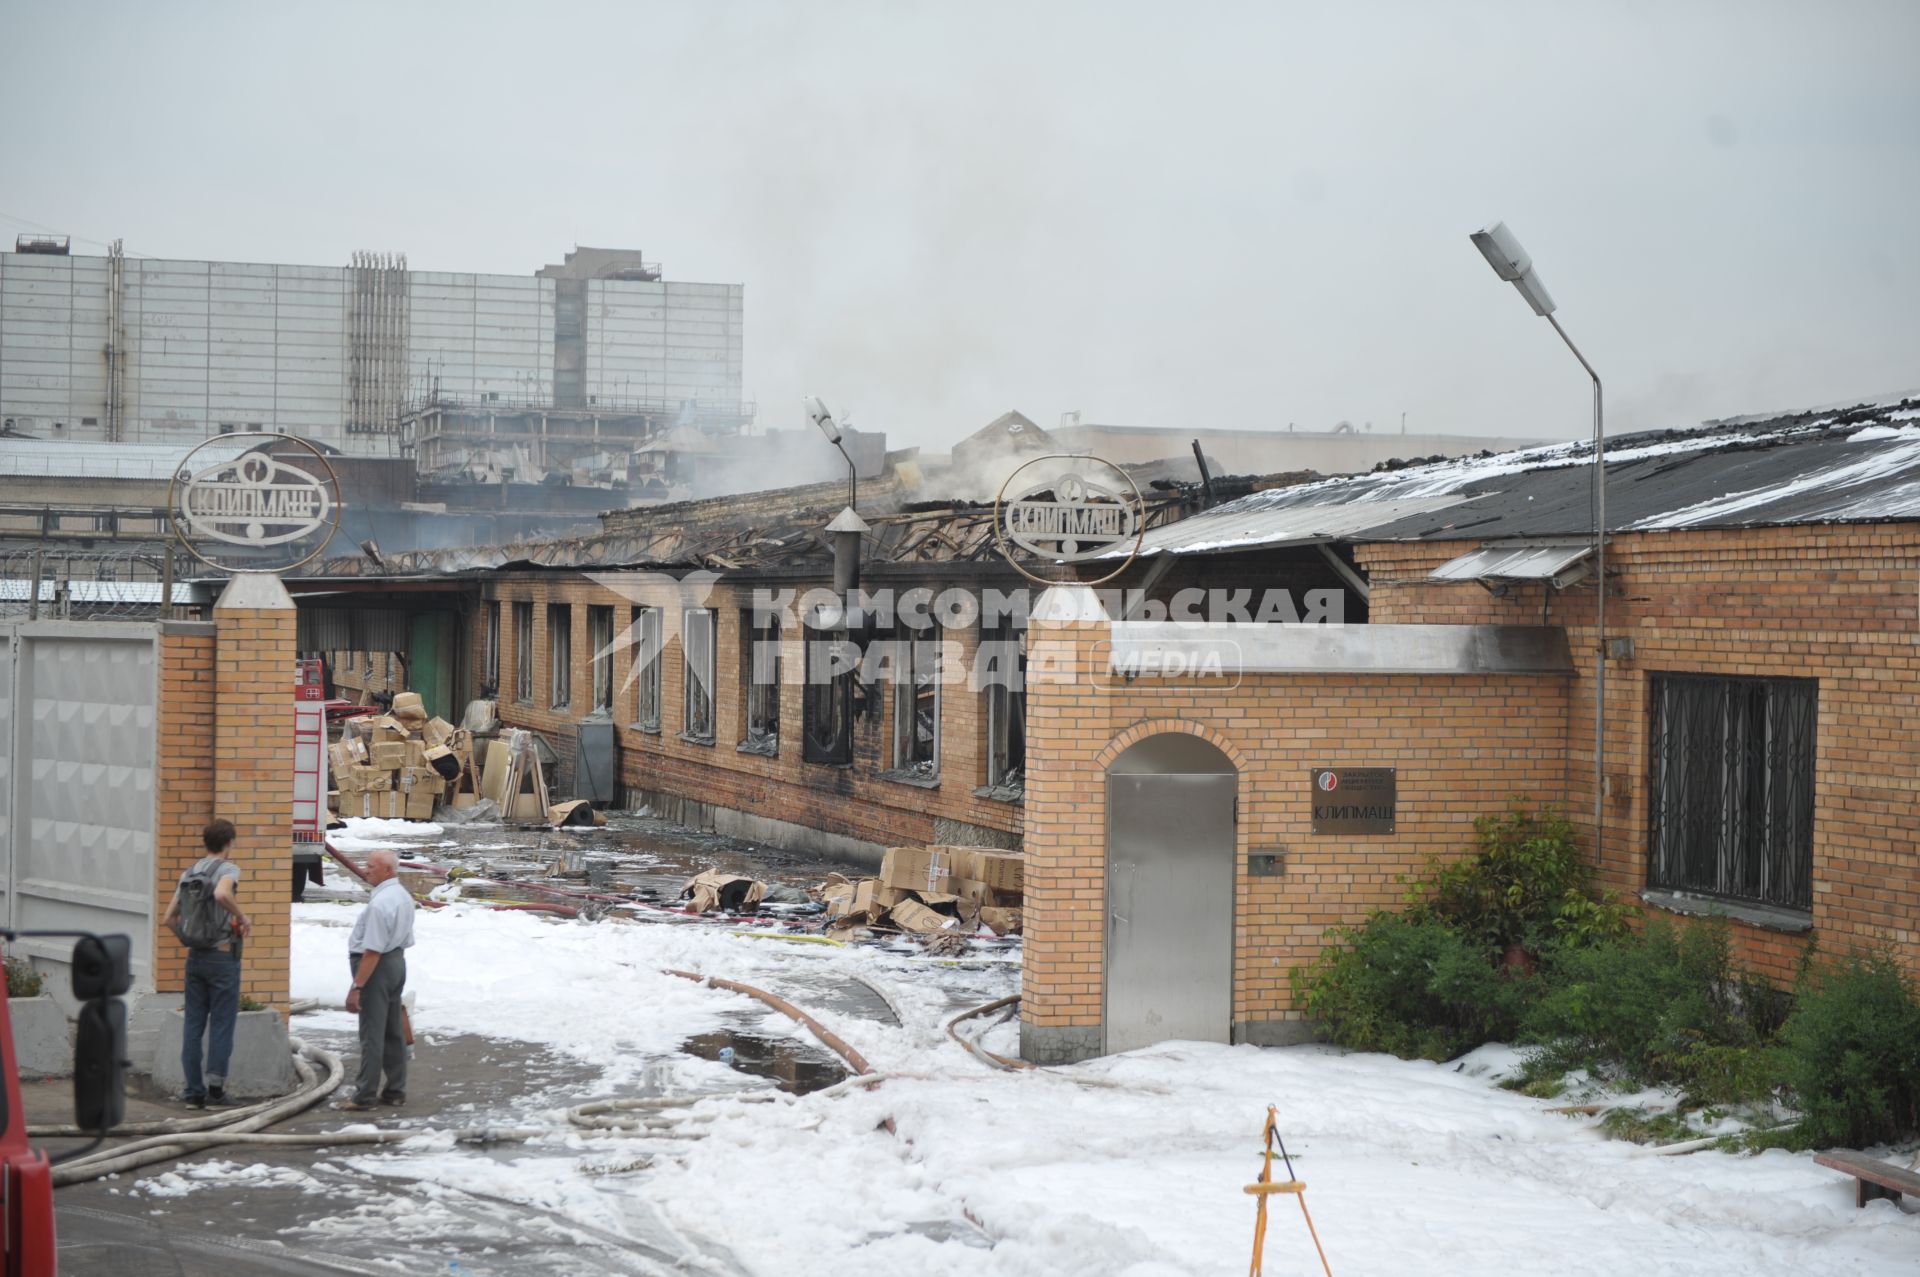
column 1170, row 851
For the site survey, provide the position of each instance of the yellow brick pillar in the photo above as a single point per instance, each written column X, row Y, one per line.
column 254, row 649
column 1063, row 983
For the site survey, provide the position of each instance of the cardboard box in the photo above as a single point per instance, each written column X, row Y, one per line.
column 420, row 804
column 444, row 761
column 978, row 895
column 438, row 731
column 424, row 778
column 416, row 753
column 1001, row 870
column 340, row 757
column 952, row 906
column 1001, row 921
column 386, row 805
column 718, row 889
column 388, row 757
column 410, row 709
column 911, row 915
column 371, row 780
column 915, row 869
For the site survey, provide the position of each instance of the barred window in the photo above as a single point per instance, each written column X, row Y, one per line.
column 560, row 649
column 490, row 673
column 696, row 646
column 916, row 705
column 600, row 644
column 761, row 674
column 1732, row 788
column 826, row 718
column 522, row 652
column 646, row 668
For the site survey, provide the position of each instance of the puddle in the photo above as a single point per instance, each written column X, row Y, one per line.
column 795, row 1067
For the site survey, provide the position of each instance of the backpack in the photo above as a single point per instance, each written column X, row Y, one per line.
column 200, row 922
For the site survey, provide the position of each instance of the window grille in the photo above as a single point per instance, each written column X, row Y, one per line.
column 1732, row 788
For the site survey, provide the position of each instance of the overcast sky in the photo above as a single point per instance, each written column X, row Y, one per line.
column 1198, row 215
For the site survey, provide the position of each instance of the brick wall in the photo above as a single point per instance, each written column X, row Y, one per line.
column 185, row 735
column 1462, row 745
column 253, row 768
column 1840, row 604
column 857, row 801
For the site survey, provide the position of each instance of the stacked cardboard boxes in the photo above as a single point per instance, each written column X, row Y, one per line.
column 400, row 765
column 930, row 890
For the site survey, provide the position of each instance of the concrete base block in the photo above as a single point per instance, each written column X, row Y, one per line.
column 1061, row 1045
column 1277, row 1032
column 262, row 1062
column 751, row 828
column 42, row 1036
column 959, row 833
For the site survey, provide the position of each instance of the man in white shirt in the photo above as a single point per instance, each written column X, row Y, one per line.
column 377, row 952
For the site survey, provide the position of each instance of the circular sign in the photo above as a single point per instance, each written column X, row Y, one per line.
column 1329, row 781
column 1077, row 510
column 239, row 504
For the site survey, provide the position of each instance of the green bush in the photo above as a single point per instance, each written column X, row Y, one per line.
column 22, row 980
column 1410, row 986
column 1526, row 884
column 1667, row 1006
column 1851, row 1053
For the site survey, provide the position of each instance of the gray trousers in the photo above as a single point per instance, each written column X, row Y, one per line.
column 383, row 1039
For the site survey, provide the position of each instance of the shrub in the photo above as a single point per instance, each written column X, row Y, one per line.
column 1411, row 986
column 1851, row 1053
column 22, row 980
column 1666, row 1006
column 1526, row 884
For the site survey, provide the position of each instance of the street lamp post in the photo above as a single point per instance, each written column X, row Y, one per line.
column 817, row 413
column 1510, row 261
column 847, row 527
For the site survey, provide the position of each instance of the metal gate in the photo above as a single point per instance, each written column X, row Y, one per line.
column 1170, row 857
column 77, row 745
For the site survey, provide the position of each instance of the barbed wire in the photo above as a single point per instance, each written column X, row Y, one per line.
column 124, row 584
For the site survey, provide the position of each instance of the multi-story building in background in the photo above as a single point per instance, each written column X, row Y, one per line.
column 494, row 377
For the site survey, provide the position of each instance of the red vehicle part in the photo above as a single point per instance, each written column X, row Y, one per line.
column 26, row 1177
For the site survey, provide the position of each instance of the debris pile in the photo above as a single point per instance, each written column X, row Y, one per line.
column 401, row 765
column 932, row 892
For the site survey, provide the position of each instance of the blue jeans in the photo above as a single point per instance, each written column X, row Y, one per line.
column 213, row 1001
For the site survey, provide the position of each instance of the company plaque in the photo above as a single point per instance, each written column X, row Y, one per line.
column 1353, row 800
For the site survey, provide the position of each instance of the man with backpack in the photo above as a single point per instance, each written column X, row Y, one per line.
column 207, row 918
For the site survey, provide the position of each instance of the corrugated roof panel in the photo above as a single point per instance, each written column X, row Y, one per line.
column 1223, row 530
column 1512, row 563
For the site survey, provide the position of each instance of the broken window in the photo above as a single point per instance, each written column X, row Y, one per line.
column 522, row 652
column 600, row 641
column 490, row 667
column 646, row 668
column 762, row 690
column 560, row 653
column 696, row 645
column 1732, row 788
column 916, row 705
column 826, row 724
column 1002, row 670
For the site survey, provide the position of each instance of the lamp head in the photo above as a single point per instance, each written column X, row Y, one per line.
column 822, row 419
column 1510, row 262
